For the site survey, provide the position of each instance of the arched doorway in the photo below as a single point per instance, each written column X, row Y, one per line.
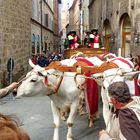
column 125, row 26
column 107, row 34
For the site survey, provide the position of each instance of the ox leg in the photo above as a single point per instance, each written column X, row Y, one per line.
column 72, row 115
column 106, row 111
column 56, row 121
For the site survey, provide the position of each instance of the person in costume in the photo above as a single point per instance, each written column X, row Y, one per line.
column 95, row 39
column 125, row 115
column 66, row 42
column 87, row 38
column 74, row 40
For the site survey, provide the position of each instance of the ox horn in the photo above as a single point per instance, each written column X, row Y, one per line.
column 126, row 71
column 31, row 63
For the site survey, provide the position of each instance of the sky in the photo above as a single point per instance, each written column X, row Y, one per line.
column 65, row 4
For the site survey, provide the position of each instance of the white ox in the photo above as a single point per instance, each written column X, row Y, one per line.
column 123, row 73
column 63, row 92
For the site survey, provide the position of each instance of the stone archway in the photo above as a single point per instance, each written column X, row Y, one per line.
column 125, row 26
column 107, row 34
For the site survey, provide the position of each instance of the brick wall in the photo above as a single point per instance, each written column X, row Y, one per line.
column 15, row 36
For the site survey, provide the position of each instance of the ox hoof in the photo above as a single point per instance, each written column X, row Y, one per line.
column 91, row 123
column 69, row 138
column 82, row 113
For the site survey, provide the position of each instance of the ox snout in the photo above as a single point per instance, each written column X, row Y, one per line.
column 20, row 92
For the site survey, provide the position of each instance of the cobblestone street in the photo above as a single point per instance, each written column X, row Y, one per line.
column 36, row 117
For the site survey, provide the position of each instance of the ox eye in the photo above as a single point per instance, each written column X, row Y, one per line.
column 40, row 74
column 33, row 80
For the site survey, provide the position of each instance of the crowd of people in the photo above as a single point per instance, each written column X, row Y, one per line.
column 44, row 59
column 93, row 39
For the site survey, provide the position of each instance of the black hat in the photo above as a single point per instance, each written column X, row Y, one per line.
column 87, row 31
column 94, row 30
column 68, row 34
column 73, row 32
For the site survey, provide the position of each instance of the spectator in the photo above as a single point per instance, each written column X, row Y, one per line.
column 137, row 63
column 130, row 57
column 5, row 91
column 34, row 59
column 55, row 56
column 42, row 60
column 125, row 119
column 66, row 42
column 87, row 38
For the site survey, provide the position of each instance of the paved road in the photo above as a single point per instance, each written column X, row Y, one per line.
column 36, row 116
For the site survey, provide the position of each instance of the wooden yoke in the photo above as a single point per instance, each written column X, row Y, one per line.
column 107, row 65
column 81, row 67
column 57, row 65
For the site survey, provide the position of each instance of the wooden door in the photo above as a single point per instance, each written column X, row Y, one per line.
column 125, row 51
column 107, row 42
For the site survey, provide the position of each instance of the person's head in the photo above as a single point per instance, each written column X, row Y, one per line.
column 94, row 31
column 119, row 93
column 88, row 32
column 73, row 33
column 137, row 58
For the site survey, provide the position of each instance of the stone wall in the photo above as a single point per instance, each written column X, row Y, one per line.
column 15, row 36
column 113, row 11
column 95, row 14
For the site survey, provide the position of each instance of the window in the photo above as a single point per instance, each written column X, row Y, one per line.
column 33, row 43
column 46, row 47
column 38, row 44
column 46, row 20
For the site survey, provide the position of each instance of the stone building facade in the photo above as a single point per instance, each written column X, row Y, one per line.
column 57, row 23
column 74, row 16
column 118, row 22
column 42, row 26
column 79, row 17
column 15, row 36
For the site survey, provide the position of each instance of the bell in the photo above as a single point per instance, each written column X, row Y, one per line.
column 79, row 70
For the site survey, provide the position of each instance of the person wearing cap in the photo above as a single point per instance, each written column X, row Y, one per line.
column 66, row 42
column 6, row 90
column 125, row 115
column 95, row 39
column 91, row 40
column 87, row 38
column 74, row 40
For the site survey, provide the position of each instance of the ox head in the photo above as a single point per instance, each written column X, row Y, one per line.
column 34, row 82
column 114, row 75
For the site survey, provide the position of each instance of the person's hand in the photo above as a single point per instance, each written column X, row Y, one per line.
column 103, row 132
column 14, row 85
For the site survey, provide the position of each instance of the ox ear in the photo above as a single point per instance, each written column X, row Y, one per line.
column 31, row 63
